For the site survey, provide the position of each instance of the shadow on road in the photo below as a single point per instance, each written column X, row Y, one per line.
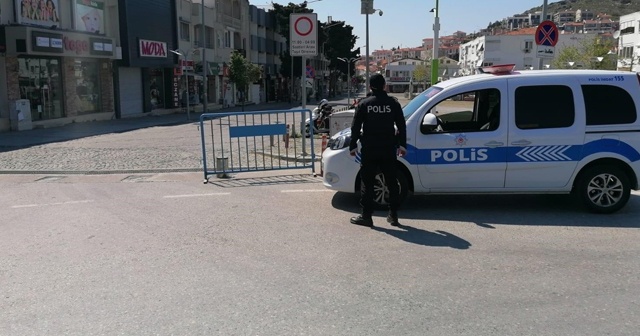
column 490, row 210
column 417, row 236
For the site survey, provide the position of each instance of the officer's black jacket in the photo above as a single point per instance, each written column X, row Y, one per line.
column 376, row 116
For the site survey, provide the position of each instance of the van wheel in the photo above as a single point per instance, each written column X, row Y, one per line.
column 381, row 192
column 604, row 189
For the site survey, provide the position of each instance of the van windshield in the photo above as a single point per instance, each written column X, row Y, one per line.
column 419, row 100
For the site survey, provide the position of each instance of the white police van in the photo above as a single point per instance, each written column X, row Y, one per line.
column 549, row 131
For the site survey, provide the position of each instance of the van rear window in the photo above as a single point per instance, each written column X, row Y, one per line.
column 531, row 113
column 608, row 105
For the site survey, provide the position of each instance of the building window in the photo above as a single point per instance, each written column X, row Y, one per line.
column 209, row 38
column 41, row 83
column 87, row 77
column 529, row 115
column 184, row 31
column 197, row 32
column 227, row 39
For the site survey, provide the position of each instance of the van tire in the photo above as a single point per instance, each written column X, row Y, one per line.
column 379, row 202
column 604, row 189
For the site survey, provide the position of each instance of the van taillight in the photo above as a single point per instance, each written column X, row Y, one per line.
column 638, row 76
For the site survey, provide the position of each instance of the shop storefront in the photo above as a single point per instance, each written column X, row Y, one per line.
column 65, row 76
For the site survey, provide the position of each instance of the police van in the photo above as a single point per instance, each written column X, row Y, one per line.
column 504, row 131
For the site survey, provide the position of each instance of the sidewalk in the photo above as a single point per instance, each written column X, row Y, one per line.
column 150, row 143
column 22, row 139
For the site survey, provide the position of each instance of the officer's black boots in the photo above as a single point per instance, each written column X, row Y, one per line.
column 392, row 218
column 362, row 220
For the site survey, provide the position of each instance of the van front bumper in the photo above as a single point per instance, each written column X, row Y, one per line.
column 340, row 170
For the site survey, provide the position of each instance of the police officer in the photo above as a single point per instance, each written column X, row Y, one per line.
column 376, row 116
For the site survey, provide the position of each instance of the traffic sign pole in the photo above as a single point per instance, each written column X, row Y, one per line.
column 544, row 18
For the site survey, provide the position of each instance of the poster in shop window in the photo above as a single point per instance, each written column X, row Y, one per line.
column 38, row 12
column 90, row 16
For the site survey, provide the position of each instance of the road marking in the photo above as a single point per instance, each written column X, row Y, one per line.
column 305, row 190
column 196, row 195
column 50, row 204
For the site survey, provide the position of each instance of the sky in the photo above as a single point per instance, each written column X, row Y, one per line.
column 405, row 23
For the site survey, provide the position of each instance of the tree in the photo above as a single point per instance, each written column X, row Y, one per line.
column 422, row 73
column 242, row 73
column 339, row 41
column 281, row 15
column 586, row 55
column 335, row 39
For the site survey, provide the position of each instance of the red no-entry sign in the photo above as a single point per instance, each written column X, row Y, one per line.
column 303, row 34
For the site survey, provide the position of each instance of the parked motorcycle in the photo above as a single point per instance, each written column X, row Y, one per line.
column 320, row 117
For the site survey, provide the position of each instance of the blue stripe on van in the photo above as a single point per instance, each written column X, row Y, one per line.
column 548, row 153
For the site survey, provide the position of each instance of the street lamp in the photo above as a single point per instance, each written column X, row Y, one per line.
column 185, row 57
column 435, row 53
column 349, row 61
column 372, row 11
column 325, row 61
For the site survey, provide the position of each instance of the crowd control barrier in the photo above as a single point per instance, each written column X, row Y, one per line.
column 255, row 141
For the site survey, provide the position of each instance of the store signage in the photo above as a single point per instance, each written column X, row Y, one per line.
column 176, row 91
column 153, row 49
column 47, row 42
column 71, row 44
column 101, row 46
column 77, row 46
column 186, row 65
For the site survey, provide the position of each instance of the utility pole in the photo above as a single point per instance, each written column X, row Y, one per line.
column 366, row 76
column 205, row 66
column 436, row 46
column 544, row 18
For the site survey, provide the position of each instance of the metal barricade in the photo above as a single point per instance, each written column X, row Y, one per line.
column 255, row 141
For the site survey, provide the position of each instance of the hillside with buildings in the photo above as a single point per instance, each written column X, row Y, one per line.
column 512, row 40
column 615, row 8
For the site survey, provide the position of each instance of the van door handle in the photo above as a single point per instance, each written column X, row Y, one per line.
column 521, row 143
column 494, row 144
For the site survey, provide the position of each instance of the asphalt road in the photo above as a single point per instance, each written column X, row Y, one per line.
column 96, row 241
column 273, row 254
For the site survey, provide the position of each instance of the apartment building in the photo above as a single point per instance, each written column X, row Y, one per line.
column 517, row 47
column 399, row 73
column 565, row 16
column 58, row 60
column 584, row 14
column 264, row 50
column 629, row 43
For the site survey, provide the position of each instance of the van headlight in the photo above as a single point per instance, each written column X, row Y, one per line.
column 339, row 142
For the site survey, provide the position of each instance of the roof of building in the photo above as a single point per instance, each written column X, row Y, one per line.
column 523, row 31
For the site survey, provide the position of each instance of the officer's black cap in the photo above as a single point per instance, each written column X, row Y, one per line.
column 376, row 81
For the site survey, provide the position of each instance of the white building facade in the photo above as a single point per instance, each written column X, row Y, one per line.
column 629, row 42
column 509, row 49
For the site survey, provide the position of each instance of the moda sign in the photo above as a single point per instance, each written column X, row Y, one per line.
column 153, row 49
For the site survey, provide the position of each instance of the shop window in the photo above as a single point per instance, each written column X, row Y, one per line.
column 87, row 77
column 156, row 88
column 40, row 82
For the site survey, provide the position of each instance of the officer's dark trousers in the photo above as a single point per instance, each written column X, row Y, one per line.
column 370, row 166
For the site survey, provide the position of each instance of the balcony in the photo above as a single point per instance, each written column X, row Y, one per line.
column 230, row 21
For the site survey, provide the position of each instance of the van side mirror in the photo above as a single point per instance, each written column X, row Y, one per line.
column 429, row 123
